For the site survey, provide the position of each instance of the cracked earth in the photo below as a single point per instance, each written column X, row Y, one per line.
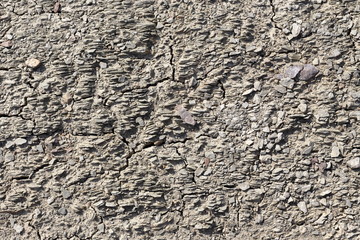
column 158, row 119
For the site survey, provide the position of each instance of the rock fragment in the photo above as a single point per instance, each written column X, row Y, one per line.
column 6, row 44
column 62, row 211
column 293, row 71
column 325, row 193
column 9, row 144
column 280, row 89
column 244, row 186
column 334, row 53
column 248, row 92
column 302, row 107
column 302, row 206
column 307, row 150
column 66, row 193
column 287, row 82
column 308, row 72
column 335, row 152
column 103, row 65
column 295, row 30
column 354, row 163
column 101, row 228
column 33, row 62
column 185, row 115
column 20, row 141
column 18, row 228
column 57, row 7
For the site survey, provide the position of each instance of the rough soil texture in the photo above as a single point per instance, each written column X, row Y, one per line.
column 179, row 119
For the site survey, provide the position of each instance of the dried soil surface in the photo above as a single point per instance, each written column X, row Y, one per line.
column 157, row 119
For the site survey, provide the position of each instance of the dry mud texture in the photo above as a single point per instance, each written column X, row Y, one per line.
column 179, row 119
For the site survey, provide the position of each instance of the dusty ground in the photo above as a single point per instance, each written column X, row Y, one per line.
column 179, row 119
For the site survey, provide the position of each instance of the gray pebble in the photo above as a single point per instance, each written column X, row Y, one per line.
column 308, row 72
column 287, row 82
column 244, row 186
column 335, row 53
column 325, row 193
column 62, row 211
column 335, row 152
column 9, row 157
column 302, row 206
column 40, row 148
column 66, row 194
column 20, row 141
column 18, row 228
column 103, row 65
column 354, row 163
column 9, row 144
column 307, row 150
column 101, row 228
column 293, row 71
column 207, row 172
column 111, row 204
column 280, row 89
column 248, row 92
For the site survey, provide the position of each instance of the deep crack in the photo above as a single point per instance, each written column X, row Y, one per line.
column 172, row 63
column 274, row 14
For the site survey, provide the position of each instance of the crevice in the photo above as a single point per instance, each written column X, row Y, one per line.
column 13, row 211
column 4, row 32
column 183, row 158
column 274, row 14
column 348, row 34
column 180, row 141
column 192, row 173
column 153, row 144
column 172, row 61
column 129, row 155
column 38, row 169
column 36, row 230
column 144, row 87
column 221, row 85
column 101, row 221
column 23, row 177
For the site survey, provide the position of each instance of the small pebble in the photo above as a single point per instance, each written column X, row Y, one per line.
column 66, row 194
column 302, row 107
column 308, row 72
column 103, row 65
column 9, row 36
column 101, row 228
column 307, row 150
column 295, row 30
column 9, row 144
column 33, row 63
column 293, row 71
column 325, row 193
column 354, row 163
column 6, row 44
column 62, row 211
column 302, row 206
column 248, row 92
column 57, row 7
column 335, row 152
column 18, row 228
column 111, row 204
column 280, row 89
column 244, row 186
column 20, row 141
column 287, row 82
column 335, row 53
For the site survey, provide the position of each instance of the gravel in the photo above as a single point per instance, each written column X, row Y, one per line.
column 180, row 119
